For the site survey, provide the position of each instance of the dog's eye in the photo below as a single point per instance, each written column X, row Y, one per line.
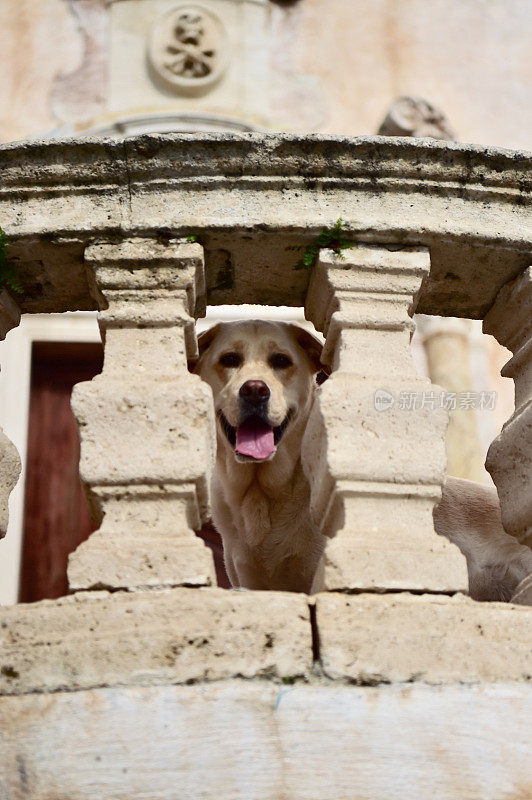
column 280, row 361
column 230, row 360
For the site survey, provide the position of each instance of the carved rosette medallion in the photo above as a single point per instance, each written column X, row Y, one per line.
column 188, row 48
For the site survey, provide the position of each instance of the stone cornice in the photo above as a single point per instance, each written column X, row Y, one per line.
column 399, row 163
column 470, row 205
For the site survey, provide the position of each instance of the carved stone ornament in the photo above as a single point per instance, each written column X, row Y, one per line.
column 188, row 48
column 414, row 116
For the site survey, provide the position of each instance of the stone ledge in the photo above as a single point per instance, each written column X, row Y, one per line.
column 241, row 740
column 176, row 636
column 370, row 638
column 173, row 636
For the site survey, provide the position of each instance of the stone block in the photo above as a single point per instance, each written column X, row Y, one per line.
column 167, row 636
column 143, row 560
column 370, row 638
column 244, row 740
column 149, row 432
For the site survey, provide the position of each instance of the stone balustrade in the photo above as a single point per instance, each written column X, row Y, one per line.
column 103, row 225
column 422, row 215
column 437, row 228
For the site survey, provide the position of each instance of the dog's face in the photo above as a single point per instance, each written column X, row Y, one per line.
column 262, row 376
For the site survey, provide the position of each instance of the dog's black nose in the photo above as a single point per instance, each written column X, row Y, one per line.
column 254, row 392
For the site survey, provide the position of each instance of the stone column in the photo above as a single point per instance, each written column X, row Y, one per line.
column 509, row 459
column 146, row 424
column 374, row 450
column 446, row 343
column 9, row 457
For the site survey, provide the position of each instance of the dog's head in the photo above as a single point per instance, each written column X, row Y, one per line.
column 262, row 375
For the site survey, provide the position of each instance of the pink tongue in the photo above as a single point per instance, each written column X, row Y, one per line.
column 254, row 438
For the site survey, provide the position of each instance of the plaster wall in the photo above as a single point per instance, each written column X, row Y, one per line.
column 333, row 67
column 472, row 59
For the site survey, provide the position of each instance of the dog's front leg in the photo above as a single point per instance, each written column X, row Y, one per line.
column 243, row 569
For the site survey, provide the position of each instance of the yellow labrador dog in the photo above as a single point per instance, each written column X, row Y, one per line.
column 263, row 379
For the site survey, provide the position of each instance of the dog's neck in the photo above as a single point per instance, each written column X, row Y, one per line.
column 257, row 489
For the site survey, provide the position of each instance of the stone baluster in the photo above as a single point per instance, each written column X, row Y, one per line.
column 9, row 457
column 509, row 458
column 374, row 450
column 146, row 424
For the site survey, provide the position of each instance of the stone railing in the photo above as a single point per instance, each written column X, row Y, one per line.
column 441, row 229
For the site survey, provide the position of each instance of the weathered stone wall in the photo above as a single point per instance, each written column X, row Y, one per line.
column 332, row 68
column 471, row 61
column 38, row 42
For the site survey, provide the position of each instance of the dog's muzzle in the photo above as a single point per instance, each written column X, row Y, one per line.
column 254, row 438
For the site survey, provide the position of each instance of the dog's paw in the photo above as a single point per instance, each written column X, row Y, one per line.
column 498, row 582
column 523, row 593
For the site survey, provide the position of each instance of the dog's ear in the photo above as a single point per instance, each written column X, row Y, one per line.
column 313, row 348
column 204, row 340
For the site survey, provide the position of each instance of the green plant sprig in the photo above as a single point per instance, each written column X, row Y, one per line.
column 8, row 273
column 329, row 239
